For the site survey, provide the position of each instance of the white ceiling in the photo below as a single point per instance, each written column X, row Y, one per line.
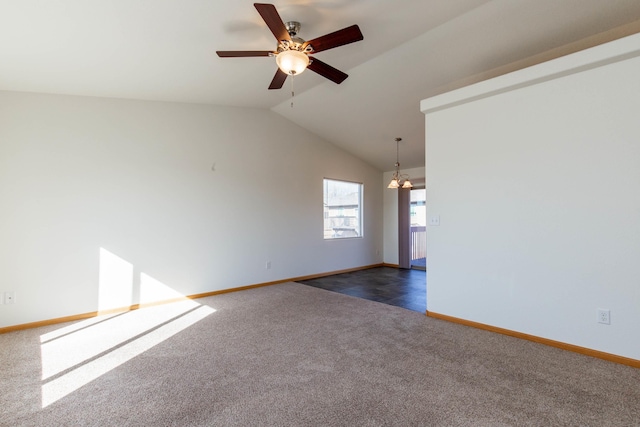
column 165, row 50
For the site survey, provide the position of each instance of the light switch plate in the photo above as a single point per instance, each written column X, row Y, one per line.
column 434, row 220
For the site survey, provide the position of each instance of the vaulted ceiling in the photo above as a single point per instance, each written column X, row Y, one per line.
column 165, row 50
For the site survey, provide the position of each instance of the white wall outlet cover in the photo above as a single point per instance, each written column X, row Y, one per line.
column 9, row 297
column 604, row 316
column 434, row 220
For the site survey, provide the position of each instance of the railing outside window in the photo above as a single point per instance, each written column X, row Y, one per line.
column 418, row 242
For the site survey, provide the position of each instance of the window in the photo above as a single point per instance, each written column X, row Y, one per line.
column 342, row 209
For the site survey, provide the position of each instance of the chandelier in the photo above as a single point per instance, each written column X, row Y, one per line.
column 399, row 180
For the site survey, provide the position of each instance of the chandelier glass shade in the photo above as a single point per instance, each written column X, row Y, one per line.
column 292, row 61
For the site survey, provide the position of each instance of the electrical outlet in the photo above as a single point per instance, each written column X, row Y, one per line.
column 9, row 297
column 434, row 220
column 267, row 265
column 604, row 316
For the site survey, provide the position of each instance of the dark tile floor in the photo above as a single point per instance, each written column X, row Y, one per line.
column 394, row 286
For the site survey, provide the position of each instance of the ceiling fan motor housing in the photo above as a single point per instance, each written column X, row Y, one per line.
column 296, row 43
column 293, row 28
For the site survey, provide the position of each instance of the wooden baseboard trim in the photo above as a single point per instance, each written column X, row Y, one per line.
column 558, row 344
column 391, row 265
column 83, row 316
column 47, row 322
column 277, row 282
column 348, row 270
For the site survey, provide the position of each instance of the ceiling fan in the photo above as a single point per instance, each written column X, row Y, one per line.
column 293, row 53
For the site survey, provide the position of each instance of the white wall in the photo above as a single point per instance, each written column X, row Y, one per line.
column 135, row 179
column 390, row 202
column 536, row 178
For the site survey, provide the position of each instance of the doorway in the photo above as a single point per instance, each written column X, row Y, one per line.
column 418, row 240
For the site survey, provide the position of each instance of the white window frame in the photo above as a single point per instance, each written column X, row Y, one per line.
column 343, row 219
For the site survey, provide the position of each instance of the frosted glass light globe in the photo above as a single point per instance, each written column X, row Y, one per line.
column 292, row 61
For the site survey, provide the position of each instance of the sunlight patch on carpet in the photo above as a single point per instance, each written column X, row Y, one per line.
column 83, row 356
column 75, row 355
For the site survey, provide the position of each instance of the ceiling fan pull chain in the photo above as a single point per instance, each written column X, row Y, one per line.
column 292, row 92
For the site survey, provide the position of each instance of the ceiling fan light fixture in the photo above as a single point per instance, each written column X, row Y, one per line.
column 292, row 61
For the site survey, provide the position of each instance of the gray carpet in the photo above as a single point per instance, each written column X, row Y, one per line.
column 293, row 355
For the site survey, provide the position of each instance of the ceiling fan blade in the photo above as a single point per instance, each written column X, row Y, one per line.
column 242, row 53
column 326, row 70
column 278, row 79
column 272, row 19
column 337, row 38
